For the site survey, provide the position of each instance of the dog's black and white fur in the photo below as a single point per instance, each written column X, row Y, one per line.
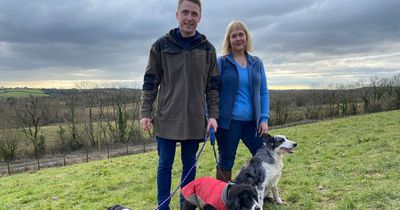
column 238, row 196
column 118, row 207
column 265, row 168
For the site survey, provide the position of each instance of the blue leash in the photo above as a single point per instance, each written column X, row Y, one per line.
column 212, row 140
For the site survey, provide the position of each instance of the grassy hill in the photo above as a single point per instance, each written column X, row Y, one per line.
column 350, row 163
column 24, row 92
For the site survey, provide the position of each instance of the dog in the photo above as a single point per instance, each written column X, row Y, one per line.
column 211, row 194
column 265, row 168
column 118, row 207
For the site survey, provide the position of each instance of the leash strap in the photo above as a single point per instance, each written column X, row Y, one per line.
column 186, row 176
column 212, row 141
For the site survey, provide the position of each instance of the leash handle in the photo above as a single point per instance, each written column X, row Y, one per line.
column 212, row 136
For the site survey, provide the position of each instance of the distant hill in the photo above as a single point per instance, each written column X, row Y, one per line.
column 21, row 92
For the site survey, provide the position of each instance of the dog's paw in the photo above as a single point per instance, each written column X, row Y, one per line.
column 281, row 202
column 268, row 199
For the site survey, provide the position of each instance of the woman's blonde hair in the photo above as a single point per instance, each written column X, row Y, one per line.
column 236, row 24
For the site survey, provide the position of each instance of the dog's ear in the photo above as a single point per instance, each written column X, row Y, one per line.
column 118, row 207
column 268, row 140
column 233, row 196
column 236, row 189
column 266, row 136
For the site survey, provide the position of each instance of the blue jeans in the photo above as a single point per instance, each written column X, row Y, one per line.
column 166, row 155
column 228, row 141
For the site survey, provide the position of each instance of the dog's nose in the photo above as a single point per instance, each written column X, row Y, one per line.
column 295, row 145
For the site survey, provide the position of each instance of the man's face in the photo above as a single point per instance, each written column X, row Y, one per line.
column 188, row 16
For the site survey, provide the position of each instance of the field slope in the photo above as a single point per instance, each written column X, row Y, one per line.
column 19, row 93
column 350, row 163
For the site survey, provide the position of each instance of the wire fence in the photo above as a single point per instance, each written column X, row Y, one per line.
column 59, row 160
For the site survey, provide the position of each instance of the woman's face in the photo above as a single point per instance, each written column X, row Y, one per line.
column 238, row 40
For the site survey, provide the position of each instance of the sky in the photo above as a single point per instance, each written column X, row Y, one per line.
column 302, row 43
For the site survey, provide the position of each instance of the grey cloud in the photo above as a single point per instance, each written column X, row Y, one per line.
column 337, row 27
column 86, row 22
column 110, row 39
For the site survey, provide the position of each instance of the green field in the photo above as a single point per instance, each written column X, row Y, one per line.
column 5, row 93
column 349, row 163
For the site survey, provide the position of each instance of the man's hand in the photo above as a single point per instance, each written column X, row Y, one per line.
column 145, row 124
column 212, row 123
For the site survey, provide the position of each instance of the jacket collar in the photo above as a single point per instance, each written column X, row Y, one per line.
column 171, row 35
column 251, row 60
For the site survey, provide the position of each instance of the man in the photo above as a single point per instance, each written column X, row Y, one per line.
column 182, row 72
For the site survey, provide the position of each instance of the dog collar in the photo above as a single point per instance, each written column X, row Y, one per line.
column 225, row 192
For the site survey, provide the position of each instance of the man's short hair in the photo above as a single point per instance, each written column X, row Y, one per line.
column 198, row 2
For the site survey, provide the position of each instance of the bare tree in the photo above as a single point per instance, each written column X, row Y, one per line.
column 281, row 110
column 396, row 89
column 63, row 143
column 314, row 106
column 388, row 88
column 332, row 98
column 118, row 127
column 135, row 133
column 31, row 113
column 378, row 91
column 365, row 94
column 9, row 146
column 102, row 124
column 89, row 89
column 71, row 118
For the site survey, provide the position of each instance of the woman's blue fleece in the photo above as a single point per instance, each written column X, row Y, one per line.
column 229, row 84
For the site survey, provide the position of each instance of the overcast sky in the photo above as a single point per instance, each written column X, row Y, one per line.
column 303, row 43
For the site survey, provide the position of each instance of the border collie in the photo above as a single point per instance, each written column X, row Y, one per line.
column 265, row 168
column 211, row 194
column 118, row 207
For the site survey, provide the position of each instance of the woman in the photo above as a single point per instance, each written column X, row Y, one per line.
column 244, row 100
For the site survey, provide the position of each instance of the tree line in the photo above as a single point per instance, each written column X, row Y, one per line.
column 70, row 120
column 87, row 118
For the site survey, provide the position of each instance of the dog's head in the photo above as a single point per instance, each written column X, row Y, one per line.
column 118, row 207
column 279, row 143
column 242, row 196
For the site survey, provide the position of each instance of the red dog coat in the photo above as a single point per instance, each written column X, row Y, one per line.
column 206, row 190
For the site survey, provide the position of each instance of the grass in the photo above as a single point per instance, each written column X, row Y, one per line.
column 349, row 163
column 19, row 93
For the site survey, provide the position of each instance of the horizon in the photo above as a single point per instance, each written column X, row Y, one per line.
column 97, row 84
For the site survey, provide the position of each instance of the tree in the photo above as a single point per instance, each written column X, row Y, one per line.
column 281, row 110
column 332, row 98
column 72, row 119
column 365, row 94
column 378, row 91
column 61, row 135
column 9, row 146
column 396, row 89
column 102, row 124
column 89, row 90
column 314, row 106
column 31, row 113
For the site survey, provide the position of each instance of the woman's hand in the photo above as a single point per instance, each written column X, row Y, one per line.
column 263, row 128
